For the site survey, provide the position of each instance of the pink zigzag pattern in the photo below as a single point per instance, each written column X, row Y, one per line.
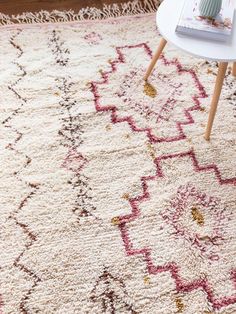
column 159, row 174
column 181, row 285
column 114, row 111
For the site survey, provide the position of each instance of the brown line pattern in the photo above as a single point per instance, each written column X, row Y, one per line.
column 104, row 293
column 71, row 131
column 33, row 187
column 59, row 51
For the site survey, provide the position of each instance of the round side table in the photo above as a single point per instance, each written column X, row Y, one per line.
column 167, row 18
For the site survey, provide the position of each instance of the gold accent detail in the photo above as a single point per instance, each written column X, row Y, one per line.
column 197, row 216
column 125, row 196
column 209, row 71
column 57, row 94
column 202, row 109
column 153, row 155
column 115, row 221
column 205, row 238
column 149, row 90
column 127, row 136
column 146, row 280
column 151, row 150
column 108, row 127
column 179, row 305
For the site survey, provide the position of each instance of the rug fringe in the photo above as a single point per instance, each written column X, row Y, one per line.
column 89, row 13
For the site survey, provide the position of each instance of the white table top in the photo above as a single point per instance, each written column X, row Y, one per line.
column 167, row 18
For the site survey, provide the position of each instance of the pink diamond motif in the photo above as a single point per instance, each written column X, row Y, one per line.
column 74, row 161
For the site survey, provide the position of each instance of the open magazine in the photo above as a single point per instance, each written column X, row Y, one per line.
column 220, row 28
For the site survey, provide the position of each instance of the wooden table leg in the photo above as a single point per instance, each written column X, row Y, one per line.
column 216, row 96
column 234, row 69
column 155, row 58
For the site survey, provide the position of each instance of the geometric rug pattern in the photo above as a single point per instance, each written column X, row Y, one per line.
column 111, row 199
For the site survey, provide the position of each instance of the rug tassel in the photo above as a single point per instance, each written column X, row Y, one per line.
column 108, row 11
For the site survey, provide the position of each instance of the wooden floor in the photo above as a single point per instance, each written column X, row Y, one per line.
column 19, row 6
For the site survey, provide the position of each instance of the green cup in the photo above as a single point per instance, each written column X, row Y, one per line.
column 210, row 8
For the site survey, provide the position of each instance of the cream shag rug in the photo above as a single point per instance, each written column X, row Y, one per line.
column 111, row 200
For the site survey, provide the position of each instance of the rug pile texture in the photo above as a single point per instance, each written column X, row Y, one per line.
column 111, row 200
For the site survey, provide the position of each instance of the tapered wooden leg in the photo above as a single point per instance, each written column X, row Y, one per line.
column 234, row 69
column 216, row 96
column 155, row 58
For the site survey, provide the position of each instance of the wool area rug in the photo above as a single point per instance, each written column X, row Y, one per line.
column 111, row 199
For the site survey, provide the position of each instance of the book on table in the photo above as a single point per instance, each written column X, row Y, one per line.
column 219, row 28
